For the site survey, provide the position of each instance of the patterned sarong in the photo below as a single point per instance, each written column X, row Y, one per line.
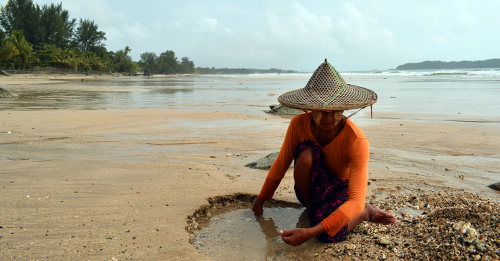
column 327, row 194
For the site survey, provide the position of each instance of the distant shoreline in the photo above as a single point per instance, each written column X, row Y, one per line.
column 429, row 65
column 198, row 71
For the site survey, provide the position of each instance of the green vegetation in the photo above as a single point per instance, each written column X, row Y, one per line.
column 46, row 39
column 166, row 63
column 491, row 63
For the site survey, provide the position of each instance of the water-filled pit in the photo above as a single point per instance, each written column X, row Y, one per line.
column 228, row 230
column 454, row 226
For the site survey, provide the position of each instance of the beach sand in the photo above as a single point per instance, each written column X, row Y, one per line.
column 104, row 184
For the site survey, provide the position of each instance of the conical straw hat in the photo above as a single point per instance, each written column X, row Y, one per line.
column 326, row 91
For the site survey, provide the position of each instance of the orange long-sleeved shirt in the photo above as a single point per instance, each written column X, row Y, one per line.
column 346, row 157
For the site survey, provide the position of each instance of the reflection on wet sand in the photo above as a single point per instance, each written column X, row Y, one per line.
column 56, row 99
column 239, row 235
column 131, row 93
column 42, row 99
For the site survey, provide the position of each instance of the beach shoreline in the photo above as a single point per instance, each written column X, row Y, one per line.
column 115, row 183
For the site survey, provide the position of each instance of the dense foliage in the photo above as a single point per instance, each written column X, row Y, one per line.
column 33, row 36
column 491, row 63
column 166, row 63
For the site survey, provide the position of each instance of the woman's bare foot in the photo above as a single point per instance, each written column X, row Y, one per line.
column 374, row 214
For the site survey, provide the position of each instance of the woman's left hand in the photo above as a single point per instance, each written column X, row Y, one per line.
column 296, row 236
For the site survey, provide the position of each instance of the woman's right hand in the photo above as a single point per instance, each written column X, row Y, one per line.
column 258, row 207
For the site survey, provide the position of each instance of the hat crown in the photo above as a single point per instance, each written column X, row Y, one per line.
column 326, row 83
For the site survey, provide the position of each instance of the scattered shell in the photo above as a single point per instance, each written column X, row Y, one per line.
column 350, row 246
column 382, row 241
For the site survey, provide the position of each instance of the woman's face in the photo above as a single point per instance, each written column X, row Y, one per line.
column 327, row 119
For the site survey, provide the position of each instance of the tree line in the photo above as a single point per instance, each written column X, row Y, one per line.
column 45, row 36
column 429, row 65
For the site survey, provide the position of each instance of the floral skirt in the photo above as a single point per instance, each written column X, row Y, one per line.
column 327, row 194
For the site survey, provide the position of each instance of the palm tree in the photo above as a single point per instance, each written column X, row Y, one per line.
column 96, row 62
column 91, row 61
column 7, row 50
column 66, row 57
column 24, row 50
column 84, row 61
column 127, row 50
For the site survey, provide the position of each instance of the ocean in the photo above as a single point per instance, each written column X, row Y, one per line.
column 471, row 95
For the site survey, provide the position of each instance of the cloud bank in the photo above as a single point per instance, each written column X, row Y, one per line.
column 353, row 35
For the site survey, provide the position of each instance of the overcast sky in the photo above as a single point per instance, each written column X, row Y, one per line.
column 298, row 35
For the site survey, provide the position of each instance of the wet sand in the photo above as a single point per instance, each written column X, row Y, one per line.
column 104, row 184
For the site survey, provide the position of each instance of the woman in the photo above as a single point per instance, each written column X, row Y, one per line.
column 331, row 159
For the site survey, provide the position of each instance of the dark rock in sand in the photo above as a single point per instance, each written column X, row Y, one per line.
column 264, row 163
column 282, row 110
column 6, row 94
column 495, row 186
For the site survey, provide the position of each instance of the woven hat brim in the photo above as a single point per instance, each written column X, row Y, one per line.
column 352, row 97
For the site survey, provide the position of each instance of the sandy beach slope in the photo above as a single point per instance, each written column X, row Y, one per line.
column 104, row 184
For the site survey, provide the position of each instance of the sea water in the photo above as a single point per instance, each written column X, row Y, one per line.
column 473, row 93
column 464, row 92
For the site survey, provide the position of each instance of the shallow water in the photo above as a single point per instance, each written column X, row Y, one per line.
column 239, row 235
column 214, row 93
column 464, row 95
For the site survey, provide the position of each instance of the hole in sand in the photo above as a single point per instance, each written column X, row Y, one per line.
column 228, row 230
column 433, row 226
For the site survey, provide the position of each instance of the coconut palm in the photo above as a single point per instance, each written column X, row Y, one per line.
column 91, row 61
column 84, row 61
column 96, row 62
column 7, row 50
column 66, row 57
column 127, row 50
column 24, row 50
